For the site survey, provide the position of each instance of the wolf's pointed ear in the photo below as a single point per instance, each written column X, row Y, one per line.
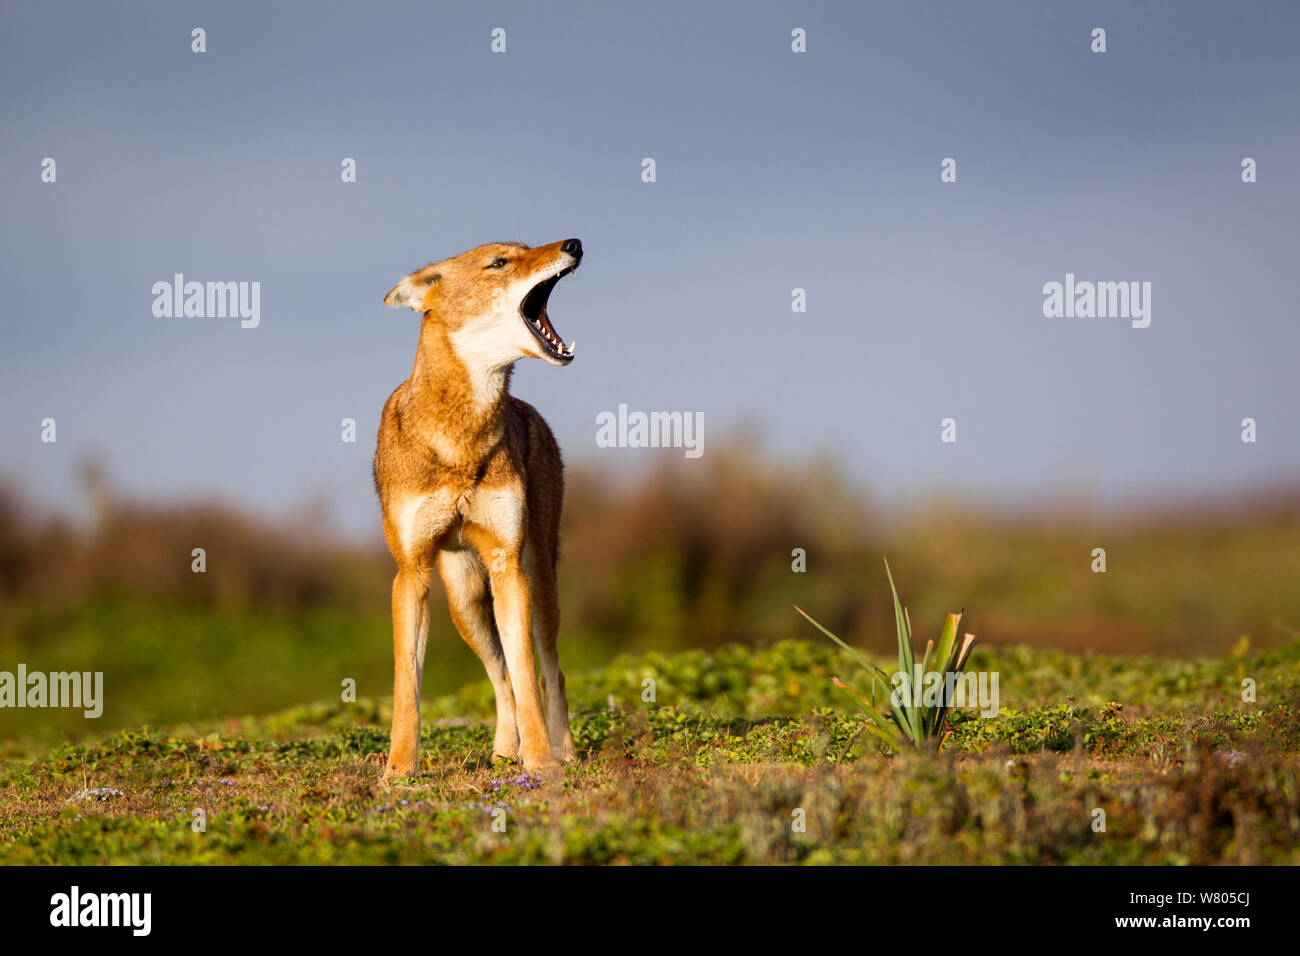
column 410, row 291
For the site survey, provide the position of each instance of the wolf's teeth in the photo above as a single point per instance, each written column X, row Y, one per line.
column 573, row 346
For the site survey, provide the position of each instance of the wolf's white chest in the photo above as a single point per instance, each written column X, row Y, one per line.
column 427, row 518
column 423, row 519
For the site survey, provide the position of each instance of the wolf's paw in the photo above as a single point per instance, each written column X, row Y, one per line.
column 399, row 768
column 552, row 772
column 543, row 763
column 505, row 744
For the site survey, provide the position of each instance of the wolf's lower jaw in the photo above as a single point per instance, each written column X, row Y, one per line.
column 550, row 339
column 533, row 311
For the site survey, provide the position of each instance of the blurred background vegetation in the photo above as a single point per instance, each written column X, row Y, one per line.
column 693, row 555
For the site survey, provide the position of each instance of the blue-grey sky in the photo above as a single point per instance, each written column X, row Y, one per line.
column 775, row 170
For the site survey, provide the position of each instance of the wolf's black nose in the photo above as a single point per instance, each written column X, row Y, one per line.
column 573, row 247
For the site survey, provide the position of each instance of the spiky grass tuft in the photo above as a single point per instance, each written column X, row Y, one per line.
column 908, row 721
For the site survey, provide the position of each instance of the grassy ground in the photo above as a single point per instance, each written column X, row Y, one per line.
column 744, row 756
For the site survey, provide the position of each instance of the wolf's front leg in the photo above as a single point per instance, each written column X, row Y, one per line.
column 410, row 633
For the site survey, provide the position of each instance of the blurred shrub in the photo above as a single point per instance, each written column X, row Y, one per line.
column 699, row 554
column 143, row 550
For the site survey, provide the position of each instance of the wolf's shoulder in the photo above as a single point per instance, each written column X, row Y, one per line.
column 528, row 425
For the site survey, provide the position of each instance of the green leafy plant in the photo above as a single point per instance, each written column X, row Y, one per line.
column 908, row 719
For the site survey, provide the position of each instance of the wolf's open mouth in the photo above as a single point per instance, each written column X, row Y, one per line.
column 533, row 309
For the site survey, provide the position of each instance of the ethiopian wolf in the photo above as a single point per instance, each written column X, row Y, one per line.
column 470, row 481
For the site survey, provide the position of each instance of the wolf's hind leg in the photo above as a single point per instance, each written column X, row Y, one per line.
column 546, row 631
column 466, row 582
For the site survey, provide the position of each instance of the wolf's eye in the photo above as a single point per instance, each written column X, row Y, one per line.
column 498, row 263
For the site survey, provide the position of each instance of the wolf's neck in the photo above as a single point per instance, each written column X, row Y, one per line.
column 453, row 404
